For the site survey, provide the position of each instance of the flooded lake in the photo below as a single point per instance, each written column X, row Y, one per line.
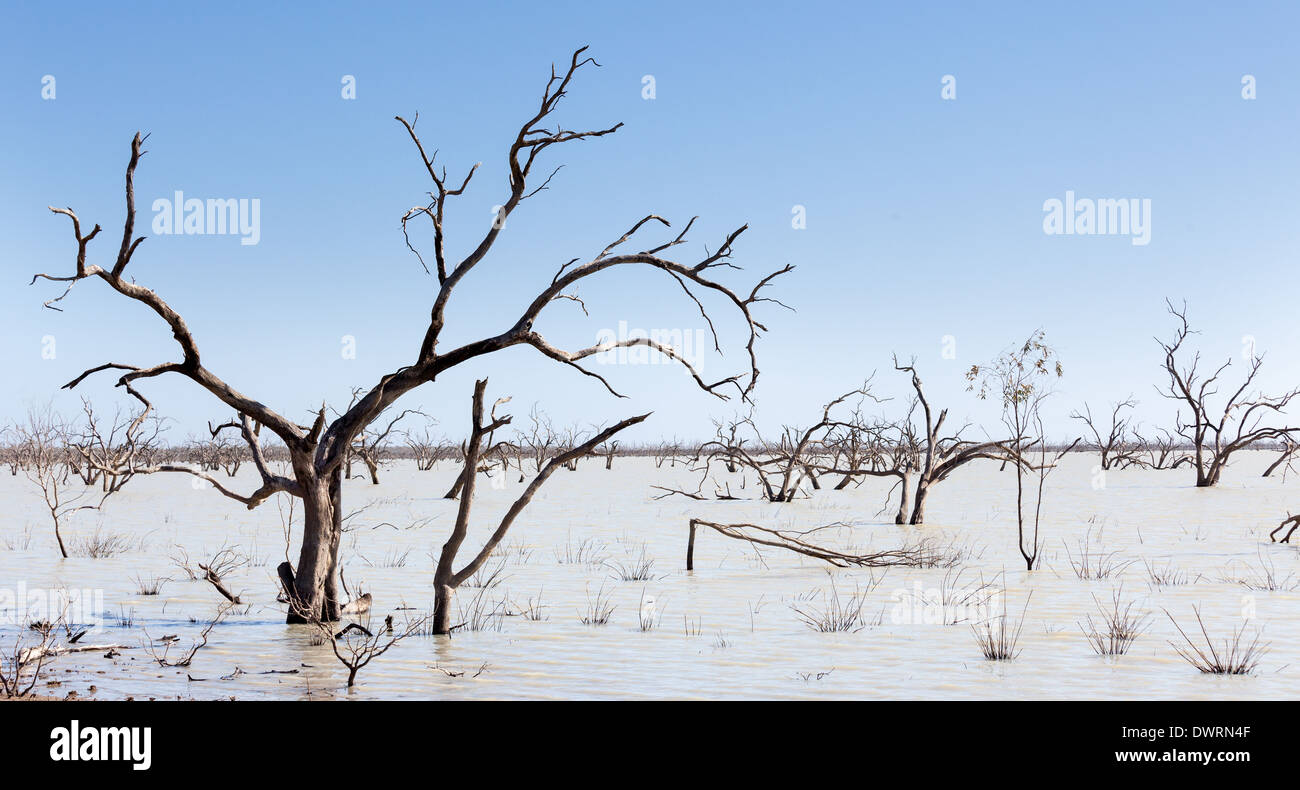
column 729, row 629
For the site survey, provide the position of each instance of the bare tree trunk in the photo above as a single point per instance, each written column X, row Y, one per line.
column 58, row 535
column 444, row 577
column 1207, row 477
column 315, row 595
column 812, row 478
column 1202, row 479
column 1287, row 451
column 456, row 487
column 1020, row 515
column 690, row 547
column 330, row 606
column 918, row 510
column 905, row 497
column 442, row 608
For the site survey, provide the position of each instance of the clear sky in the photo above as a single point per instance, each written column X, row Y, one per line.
column 924, row 215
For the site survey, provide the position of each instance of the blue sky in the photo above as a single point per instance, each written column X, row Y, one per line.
column 924, row 215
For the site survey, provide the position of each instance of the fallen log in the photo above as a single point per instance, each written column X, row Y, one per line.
column 30, row 654
column 796, row 541
column 360, row 605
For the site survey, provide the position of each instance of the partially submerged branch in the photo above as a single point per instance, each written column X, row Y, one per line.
column 799, row 542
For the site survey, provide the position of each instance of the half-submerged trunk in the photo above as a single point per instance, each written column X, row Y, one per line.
column 918, row 510
column 456, row 487
column 442, row 595
column 313, row 589
column 446, row 579
column 1207, row 475
column 905, row 498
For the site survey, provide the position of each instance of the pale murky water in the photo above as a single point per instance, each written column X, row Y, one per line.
column 725, row 631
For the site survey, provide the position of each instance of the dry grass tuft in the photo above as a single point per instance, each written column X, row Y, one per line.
column 999, row 642
column 1233, row 656
column 1120, row 626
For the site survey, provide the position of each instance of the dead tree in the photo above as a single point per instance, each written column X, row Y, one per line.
column 424, row 448
column 858, row 444
column 371, row 444
column 1289, row 448
column 609, row 451
column 221, row 451
column 540, row 441
column 1215, row 434
column 10, row 453
column 162, row 657
column 567, row 439
column 1115, row 447
column 666, row 451
column 782, row 466
column 110, row 450
column 21, row 663
column 446, row 578
column 932, row 456
column 1159, row 452
column 43, row 440
column 727, row 444
column 501, row 449
column 357, row 645
column 1291, row 522
column 317, row 451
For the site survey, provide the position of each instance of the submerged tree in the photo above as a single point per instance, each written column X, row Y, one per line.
column 1117, row 445
column 1286, row 455
column 1216, row 433
column 371, row 446
column 446, row 578
column 932, row 456
column 318, row 450
column 42, row 443
column 1160, row 451
column 782, row 466
column 1019, row 378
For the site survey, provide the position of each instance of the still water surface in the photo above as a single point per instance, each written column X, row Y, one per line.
column 727, row 630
